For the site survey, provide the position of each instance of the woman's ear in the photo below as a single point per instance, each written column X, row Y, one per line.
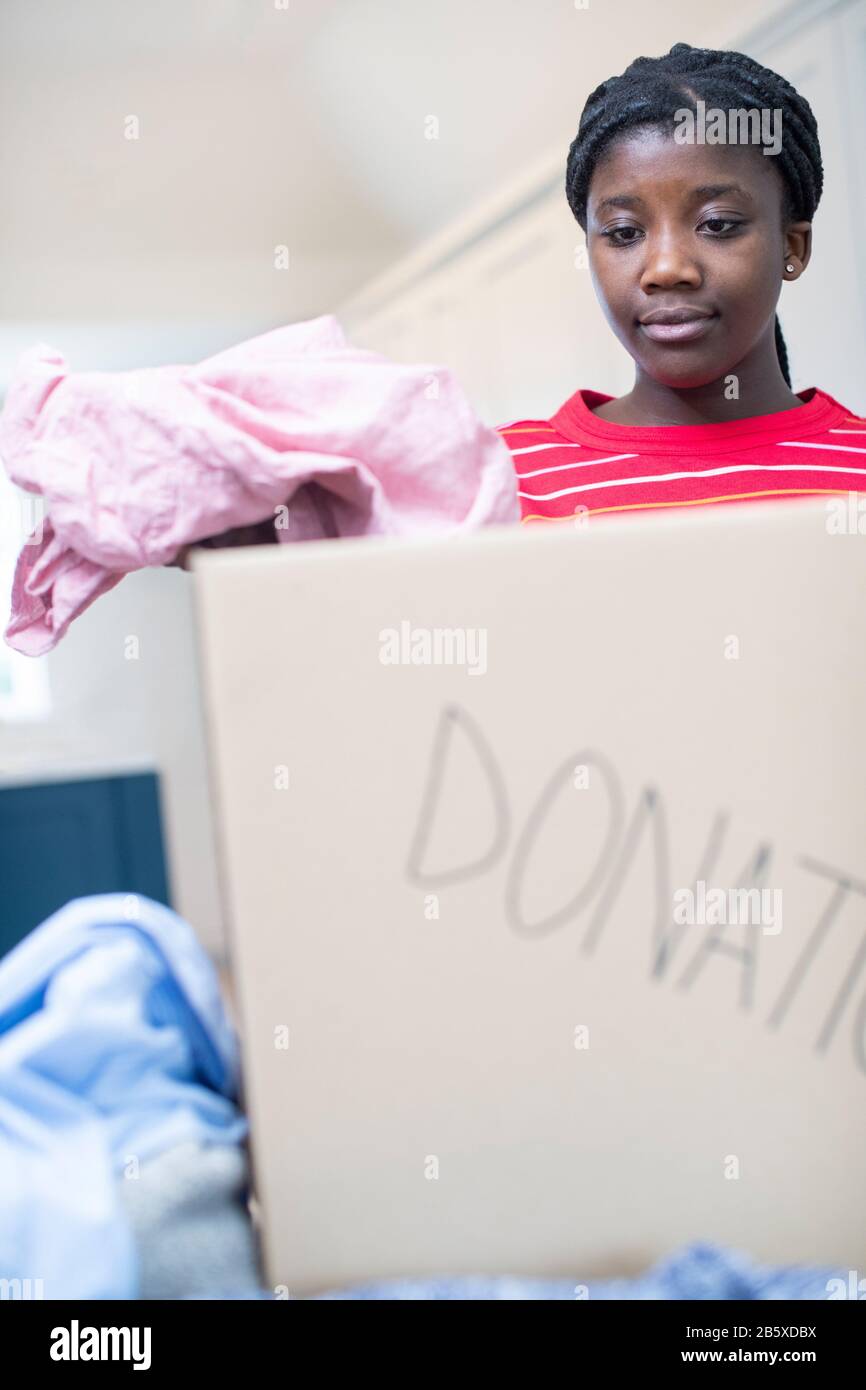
column 798, row 249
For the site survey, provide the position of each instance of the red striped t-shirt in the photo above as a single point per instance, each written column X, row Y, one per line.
column 576, row 462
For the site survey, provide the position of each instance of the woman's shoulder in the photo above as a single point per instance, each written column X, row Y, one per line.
column 525, row 425
column 850, row 415
column 556, row 426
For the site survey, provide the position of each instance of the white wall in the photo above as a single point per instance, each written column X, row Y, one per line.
column 257, row 126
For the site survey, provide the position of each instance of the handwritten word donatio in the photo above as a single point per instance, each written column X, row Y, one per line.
column 677, row 950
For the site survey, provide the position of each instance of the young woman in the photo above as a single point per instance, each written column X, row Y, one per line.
column 689, row 243
column 688, row 246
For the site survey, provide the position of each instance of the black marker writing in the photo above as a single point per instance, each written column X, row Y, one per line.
column 531, row 831
column 455, row 720
column 714, row 943
column 607, row 877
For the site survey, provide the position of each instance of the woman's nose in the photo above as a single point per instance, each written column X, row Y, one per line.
column 669, row 263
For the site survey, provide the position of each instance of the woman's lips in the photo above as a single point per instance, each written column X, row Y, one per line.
column 684, row 332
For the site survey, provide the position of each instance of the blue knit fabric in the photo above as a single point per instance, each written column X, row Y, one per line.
column 697, row 1271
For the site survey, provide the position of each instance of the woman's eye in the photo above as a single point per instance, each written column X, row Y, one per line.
column 719, row 224
column 615, row 233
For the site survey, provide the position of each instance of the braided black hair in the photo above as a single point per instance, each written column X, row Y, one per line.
column 652, row 90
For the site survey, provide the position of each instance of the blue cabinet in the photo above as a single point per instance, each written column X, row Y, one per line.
column 62, row 840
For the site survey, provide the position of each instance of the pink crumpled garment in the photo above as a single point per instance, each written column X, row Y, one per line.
column 135, row 465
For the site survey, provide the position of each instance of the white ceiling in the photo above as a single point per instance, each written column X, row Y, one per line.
column 262, row 126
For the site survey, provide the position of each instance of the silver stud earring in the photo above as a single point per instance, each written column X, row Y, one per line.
column 789, row 269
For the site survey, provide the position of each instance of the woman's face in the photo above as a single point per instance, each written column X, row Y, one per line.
column 689, row 227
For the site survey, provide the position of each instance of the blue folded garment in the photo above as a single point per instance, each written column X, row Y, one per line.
column 701, row 1270
column 114, row 1047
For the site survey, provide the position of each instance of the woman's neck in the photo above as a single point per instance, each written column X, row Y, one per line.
column 650, row 403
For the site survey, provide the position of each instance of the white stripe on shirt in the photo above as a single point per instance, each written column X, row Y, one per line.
column 534, row 448
column 701, row 473
column 563, row 467
column 804, row 444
